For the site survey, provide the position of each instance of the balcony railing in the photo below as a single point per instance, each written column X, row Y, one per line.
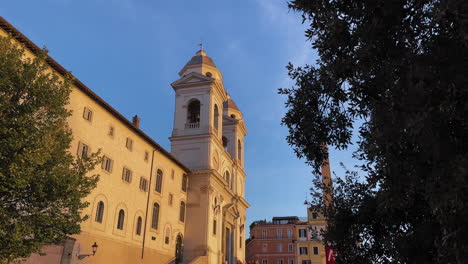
column 192, row 125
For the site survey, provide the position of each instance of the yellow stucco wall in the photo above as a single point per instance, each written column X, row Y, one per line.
column 124, row 246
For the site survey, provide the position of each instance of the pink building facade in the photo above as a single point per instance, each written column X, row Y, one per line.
column 272, row 242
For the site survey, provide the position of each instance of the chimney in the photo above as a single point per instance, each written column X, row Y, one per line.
column 136, row 121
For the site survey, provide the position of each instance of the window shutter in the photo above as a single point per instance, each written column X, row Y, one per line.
column 111, row 165
column 80, row 149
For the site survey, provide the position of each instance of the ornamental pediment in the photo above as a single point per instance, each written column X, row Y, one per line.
column 193, row 77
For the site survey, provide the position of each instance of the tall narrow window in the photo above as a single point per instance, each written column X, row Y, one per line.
column 138, row 226
column 184, row 182
column 99, row 212
column 182, row 212
column 227, row 177
column 159, row 179
column 279, row 233
column 87, row 114
column 155, row 219
column 143, row 184
column 193, row 112
column 107, row 164
column 83, row 150
column 316, row 250
column 216, row 117
column 127, row 175
column 111, row 131
column 239, row 150
column 121, row 219
column 129, row 143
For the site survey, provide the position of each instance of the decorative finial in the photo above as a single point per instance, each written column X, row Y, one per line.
column 201, row 46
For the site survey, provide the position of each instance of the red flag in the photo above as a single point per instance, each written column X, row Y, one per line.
column 330, row 255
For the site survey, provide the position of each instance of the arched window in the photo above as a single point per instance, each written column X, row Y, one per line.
column 227, row 177
column 184, row 182
column 216, row 116
column 120, row 220
column 182, row 212
column 239, row 150
column 155, row 219
column 138, row 226
column 193, row 112
column 167, row 236
column 99, row 212
column 159, row 179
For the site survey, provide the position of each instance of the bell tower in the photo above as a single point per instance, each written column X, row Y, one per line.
column 198, row 111
column 208, row 137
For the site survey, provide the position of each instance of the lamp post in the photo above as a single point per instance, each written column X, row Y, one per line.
column 94, row 246
column 82, row 256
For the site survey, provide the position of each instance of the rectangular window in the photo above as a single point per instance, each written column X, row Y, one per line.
column 129, row 144
column 87, row 114
column 83, row 150
column 264, row 233
column 279, row 233
column 291, row 261
column 303, row 251
column 280, row 261
column 146, row 156
column 111, row 132
column 280, row 247
column 107, row 164
column 290, row 233
column 306, row 262
column 182, row 212
column 264, row 261
column 290, row 247
column 316, row 251
column 143, row 184
column 241, row 241
column 127, row 175
column 302, row 233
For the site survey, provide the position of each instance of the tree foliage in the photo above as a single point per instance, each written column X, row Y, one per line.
column 395, row 73
column 41, row 184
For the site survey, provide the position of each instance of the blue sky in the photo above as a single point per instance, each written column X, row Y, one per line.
column 129, row 51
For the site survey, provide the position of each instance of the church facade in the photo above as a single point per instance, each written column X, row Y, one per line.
column 151, row 205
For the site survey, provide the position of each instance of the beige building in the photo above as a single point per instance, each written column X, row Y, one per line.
column 152, row 205
column 309, row 244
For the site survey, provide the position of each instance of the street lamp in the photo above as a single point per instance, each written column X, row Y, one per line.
column 95, row 246
column 82, row 256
